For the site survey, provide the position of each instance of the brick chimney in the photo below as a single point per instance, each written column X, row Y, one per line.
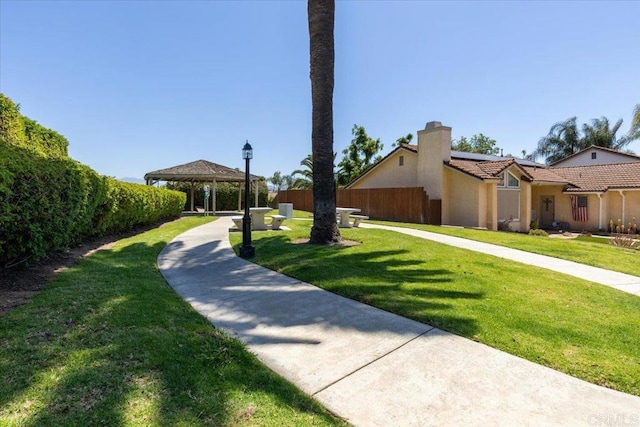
column 434, row 148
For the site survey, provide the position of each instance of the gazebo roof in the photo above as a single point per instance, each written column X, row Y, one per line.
column 198, row 171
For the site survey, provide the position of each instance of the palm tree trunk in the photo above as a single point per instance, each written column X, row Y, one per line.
column 321, row 21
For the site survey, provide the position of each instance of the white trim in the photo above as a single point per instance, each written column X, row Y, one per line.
column 623, row 206
column 599, row 211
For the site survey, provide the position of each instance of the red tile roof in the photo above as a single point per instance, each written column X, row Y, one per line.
column 601, row 177
column 481, row 170
column 545, row 175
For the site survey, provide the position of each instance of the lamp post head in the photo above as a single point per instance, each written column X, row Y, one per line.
column 247, row 151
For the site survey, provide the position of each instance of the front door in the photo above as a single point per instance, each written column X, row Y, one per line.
column 547, row 210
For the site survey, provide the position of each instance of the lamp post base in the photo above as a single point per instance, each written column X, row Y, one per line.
column 247, row 251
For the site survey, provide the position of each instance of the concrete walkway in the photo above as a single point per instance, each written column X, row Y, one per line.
column 371, row 367
column 621, row 281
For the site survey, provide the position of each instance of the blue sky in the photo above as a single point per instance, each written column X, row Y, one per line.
column 141, row 85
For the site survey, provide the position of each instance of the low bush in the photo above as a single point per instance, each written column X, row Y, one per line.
column 624, row 241
column 538, row 232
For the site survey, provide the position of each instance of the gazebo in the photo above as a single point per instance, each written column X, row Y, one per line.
column 202, row 171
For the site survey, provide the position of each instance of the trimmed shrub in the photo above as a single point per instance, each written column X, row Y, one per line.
column 126, row 205
column 11, row 123
column 45, row 141
column 48, row 204
column 49, row 201
column 24, row 132
column 538, row 232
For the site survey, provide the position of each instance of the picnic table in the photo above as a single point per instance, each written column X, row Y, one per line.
column 257, row 217
column 345, row 214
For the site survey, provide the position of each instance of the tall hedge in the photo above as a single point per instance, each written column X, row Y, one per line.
column 24, row 132
column 49, row 204
column 49, row 201
column 45, row 141
column 11, row 123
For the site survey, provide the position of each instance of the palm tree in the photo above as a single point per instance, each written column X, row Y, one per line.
column 276, row 180
column 601, row 134
column 305, row 180
column 634, row 131
column 321, row 15
column 563, row 140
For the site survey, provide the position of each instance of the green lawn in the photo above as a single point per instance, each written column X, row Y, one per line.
column 581, row 328
column 109, row 342
column 586, row 250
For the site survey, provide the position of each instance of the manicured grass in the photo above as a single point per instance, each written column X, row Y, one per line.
column 586, row 330
column 585, row 250
column 109, row 342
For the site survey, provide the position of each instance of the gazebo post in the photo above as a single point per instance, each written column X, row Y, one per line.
column 239, row 196
column 214, row 186
column 192, row 205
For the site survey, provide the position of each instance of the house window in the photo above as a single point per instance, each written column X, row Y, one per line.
column 508, row 180
column 401, row 160
column 512, row 181
column 594, row 155
column 508, row 205
column 508, row 197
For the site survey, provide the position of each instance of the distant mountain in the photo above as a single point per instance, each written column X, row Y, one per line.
column 134, row 180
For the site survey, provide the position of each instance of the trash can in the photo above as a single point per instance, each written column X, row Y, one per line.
column 286, row 209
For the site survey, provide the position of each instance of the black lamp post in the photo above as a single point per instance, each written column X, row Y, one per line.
column 246, row 250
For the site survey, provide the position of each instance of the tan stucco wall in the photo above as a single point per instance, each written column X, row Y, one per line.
column 389, row 173
column 614, row 207
column 492, row 206
column 463, row 196
column 482, row 205
column 434, row 147
column 632, row 206
column 602, row 158
column 525, row 206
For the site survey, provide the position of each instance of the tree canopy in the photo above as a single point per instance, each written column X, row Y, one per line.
column 279, row 181
column 359, row 155
column 565, row 138
column 302, row 179
column 476, row 144
column 634, row 132
column 403, row 140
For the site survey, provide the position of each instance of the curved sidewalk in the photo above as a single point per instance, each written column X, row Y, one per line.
column 371, row 367
column 620, row 281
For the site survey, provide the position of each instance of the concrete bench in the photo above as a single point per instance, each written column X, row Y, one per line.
column 357, row 219
column 237, row 220
column 276, row 221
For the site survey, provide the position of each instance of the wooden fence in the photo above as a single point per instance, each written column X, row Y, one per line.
column 389, row 204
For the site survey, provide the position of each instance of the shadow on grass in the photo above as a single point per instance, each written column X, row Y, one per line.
column 108, row 342
column 240, row 295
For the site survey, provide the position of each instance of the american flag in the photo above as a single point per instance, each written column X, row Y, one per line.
column 579, row 208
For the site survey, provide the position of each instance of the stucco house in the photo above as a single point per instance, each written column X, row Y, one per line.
column 582, row 192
